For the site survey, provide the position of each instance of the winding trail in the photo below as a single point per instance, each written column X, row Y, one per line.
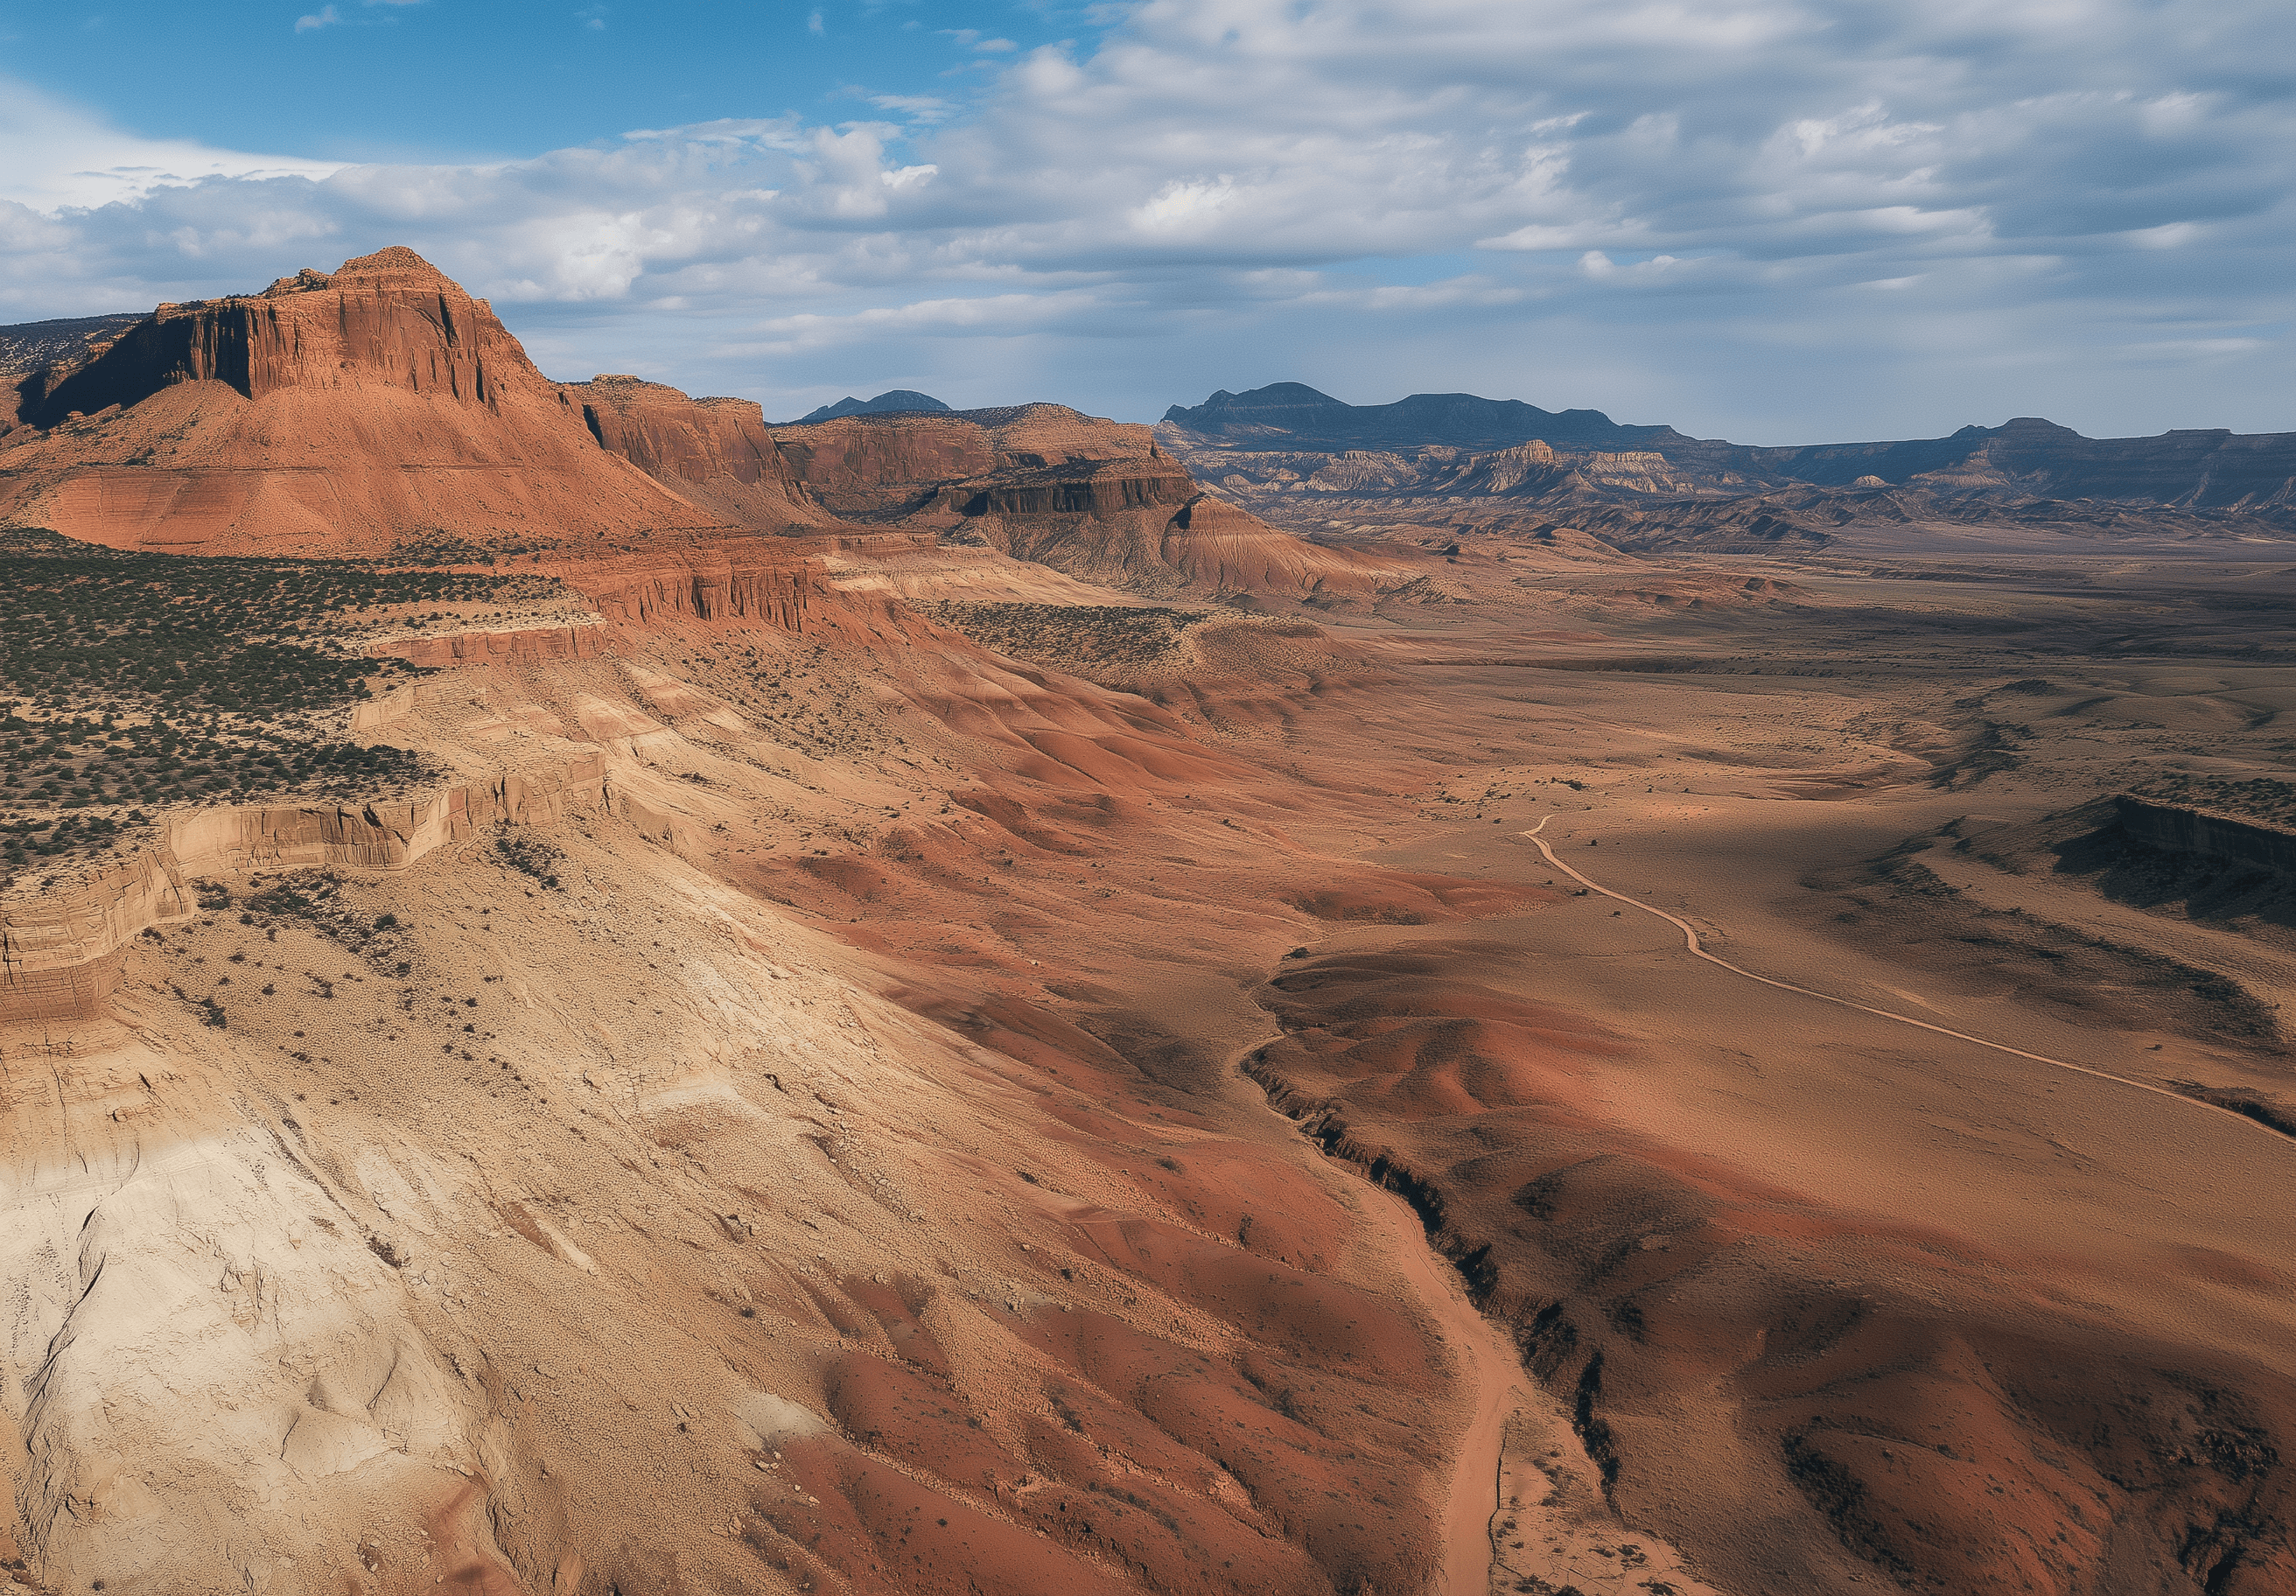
column 1698, row 950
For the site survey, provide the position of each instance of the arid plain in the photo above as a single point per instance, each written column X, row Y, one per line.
column 993, row 1000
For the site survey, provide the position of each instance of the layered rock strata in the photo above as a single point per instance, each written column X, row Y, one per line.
column 59, row 954
column 336, row 415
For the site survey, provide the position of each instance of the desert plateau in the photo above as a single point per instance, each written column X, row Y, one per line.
column 600, row 993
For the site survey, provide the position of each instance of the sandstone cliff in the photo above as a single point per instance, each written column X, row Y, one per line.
column 716, row 452
column 1098, row 500
column 331, row 415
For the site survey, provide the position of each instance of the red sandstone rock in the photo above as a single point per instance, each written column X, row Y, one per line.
column 714, row 452
column 331, row 415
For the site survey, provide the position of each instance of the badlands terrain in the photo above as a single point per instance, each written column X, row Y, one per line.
column 601, row 995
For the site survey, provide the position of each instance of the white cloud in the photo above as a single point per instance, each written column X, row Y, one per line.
column 1646, row 204
column 54, row 156
column 326, row 16
column 924, row 108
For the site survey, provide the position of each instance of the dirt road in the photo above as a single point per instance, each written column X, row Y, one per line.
column 1698, row 950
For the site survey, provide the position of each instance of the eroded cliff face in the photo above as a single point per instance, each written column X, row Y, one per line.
column 716, row 451
column 871, row 466
column 385, row 320
column 2187, row 829
column 338, row 414
column 1099, row 500
column 60, row 950
column 552, row 1184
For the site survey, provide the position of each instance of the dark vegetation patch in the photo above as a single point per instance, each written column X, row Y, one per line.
column 1988, row 751
column 528, row 853
column 2265, row 799
column 130, row 681
column 87, row 782
column 317, row 899
column 1094, row 634
column 439, row 547
column 177, row 634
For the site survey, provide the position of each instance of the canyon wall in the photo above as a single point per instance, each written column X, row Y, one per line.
column 2214, row 836
column 337, row 414
column 715, row 451
column 59, row 953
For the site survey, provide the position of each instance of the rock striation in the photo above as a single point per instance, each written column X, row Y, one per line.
column 1299, row 457
column 1098, row 500
column 716, row 452
column 334, row 414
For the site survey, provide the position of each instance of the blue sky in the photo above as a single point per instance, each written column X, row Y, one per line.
column 440, row 81
column 1770, row 220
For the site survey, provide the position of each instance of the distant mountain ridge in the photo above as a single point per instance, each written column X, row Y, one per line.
column 1306, row 418
column 892, row 401
column 2196, row 468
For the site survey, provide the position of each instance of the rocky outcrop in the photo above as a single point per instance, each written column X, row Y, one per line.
column 530, row 646
column 1287, row 440
column 716, row 452
column 1091, row 490
column 334, row 414
column 887, row 467
column 2188, row 830
column 1097, row 499
column 59, row 954
column 386, row 319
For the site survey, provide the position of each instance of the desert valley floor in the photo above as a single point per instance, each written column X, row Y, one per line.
column 1014, row 1053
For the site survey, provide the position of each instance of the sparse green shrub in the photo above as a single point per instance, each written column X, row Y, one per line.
column 1070, row 634
column 525, row 852
column 132, row 678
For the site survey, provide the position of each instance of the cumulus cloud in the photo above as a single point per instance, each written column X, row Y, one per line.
column 1755, row 217
column 59, row 160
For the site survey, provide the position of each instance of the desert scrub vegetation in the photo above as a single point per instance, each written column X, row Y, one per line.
column 130, row 682
column 525, row 852
column 1057, row 634
column 317, row 899
column 2265, row 799
column 439, row 547
column 180, row 634
column 803, row 698
column 64, row 784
